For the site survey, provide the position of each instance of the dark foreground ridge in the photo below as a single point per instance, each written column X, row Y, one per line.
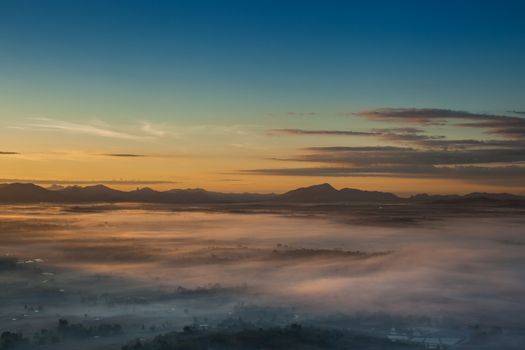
column 324, row 193
column 293, row 336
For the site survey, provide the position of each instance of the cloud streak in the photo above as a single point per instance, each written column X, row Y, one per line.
column 152, row 130
column 508, row 126
column 47, row 124
column 491, row 161
column 511, row 176
column 302, row 114
column 393, row 134
column 125, row 155
column 320, row 132
column 410, row 156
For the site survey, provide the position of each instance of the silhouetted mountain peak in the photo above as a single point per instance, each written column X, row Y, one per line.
column 25, row 185
column 55, row 187
column 188, row 190
column 94, row 193
column 496, row 196
column 145, row 190
column 24, row 192
column 327, row 193
column 23, row 188
column 317, row 193
column 471, row 197
column 98, row 187
column 322, row 188
column 326, row 187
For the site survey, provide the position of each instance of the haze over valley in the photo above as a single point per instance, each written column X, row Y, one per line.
column 155, row 269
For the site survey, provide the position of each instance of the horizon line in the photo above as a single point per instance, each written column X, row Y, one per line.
column 94, row 184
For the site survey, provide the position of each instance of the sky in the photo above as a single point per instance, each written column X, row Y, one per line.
column 264, row 96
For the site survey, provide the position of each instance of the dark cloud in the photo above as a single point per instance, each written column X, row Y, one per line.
column 331, row 171
column 394, row 134
column 404, row 155
column 518, row 112
column 399, row 130
column 470, row 143
column 481, row 165
column 8, row 153
column 425, row 115
column 395, row 170
column 414, row 153
column 508, row 126
column 124, row 155
column 514, row 129
column 511, row 176
column 409, row 137
column 359, row 149
column 320, row 132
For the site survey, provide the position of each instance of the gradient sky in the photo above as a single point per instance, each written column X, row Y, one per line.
column 404, row 96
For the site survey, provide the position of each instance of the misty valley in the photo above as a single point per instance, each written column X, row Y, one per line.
column 137, row 276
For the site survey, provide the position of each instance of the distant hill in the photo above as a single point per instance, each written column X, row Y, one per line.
column 30, row 193
column 475, row 197
column 97, row 193
column 323, row 193
column 55, row 187
column 203, row 196
column 316, row 193
column 26, row 193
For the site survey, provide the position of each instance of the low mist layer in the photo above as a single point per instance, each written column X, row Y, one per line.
column 163, row 268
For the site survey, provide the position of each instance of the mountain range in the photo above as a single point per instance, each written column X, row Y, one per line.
column 323, row 193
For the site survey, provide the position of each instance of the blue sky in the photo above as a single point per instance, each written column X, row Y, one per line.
column 270, row 55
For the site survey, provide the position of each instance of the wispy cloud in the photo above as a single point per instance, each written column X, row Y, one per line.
column 471, row 144
column 143, row 131
column 320, row 132
column 124, row 155
column 94, row 129
column 299, row 114
column 393, row 134
column 357, row 156
column 293, row 114
column 153, row 130
column 405, row 130
column 511, row 176
column 228, row 180
column 8, row 153
column 423, row 115
column 235, row 129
